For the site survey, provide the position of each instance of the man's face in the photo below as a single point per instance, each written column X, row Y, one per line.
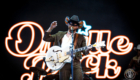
column 74, row 25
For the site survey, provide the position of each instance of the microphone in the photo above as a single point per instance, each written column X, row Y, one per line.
column 71, row 28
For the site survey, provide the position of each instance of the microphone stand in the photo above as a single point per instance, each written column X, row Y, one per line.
column 72, row 51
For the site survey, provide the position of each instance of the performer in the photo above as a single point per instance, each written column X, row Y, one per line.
column 135, row 62
column 64, row 40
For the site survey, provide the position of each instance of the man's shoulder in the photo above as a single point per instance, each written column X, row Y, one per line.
column 61, row 32
column 135, row 58
column 81, row 35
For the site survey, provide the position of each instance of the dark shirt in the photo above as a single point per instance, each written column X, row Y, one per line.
column 134, row 63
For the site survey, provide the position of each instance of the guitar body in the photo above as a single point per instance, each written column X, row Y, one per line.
column 57, row 57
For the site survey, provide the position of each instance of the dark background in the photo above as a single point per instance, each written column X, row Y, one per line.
column 121, row 17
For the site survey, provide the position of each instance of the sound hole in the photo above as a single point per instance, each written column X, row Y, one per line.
column 57, row 50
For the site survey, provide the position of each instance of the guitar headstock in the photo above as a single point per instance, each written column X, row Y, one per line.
column 97, row 45
column 100, row 44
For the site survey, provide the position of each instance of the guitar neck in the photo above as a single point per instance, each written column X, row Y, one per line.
column 77, row 50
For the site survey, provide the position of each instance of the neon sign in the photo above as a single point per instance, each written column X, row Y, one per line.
column 87, row 28
column 37, row 54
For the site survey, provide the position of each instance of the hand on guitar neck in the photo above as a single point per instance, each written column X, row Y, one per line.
column 96, row 45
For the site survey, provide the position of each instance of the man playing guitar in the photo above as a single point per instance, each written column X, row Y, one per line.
column 63, row 39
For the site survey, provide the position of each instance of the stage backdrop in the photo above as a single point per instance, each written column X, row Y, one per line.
column 25, row 23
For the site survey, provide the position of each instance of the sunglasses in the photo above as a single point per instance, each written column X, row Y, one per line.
column 74, row 24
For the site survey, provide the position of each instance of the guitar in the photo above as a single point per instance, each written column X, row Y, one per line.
column 56, row 57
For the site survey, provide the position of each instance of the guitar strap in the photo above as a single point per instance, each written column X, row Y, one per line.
column 75, row 41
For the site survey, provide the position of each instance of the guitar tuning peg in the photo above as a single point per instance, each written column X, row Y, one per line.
column 97, row 48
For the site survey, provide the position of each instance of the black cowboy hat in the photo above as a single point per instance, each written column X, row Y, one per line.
column 74, row 19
